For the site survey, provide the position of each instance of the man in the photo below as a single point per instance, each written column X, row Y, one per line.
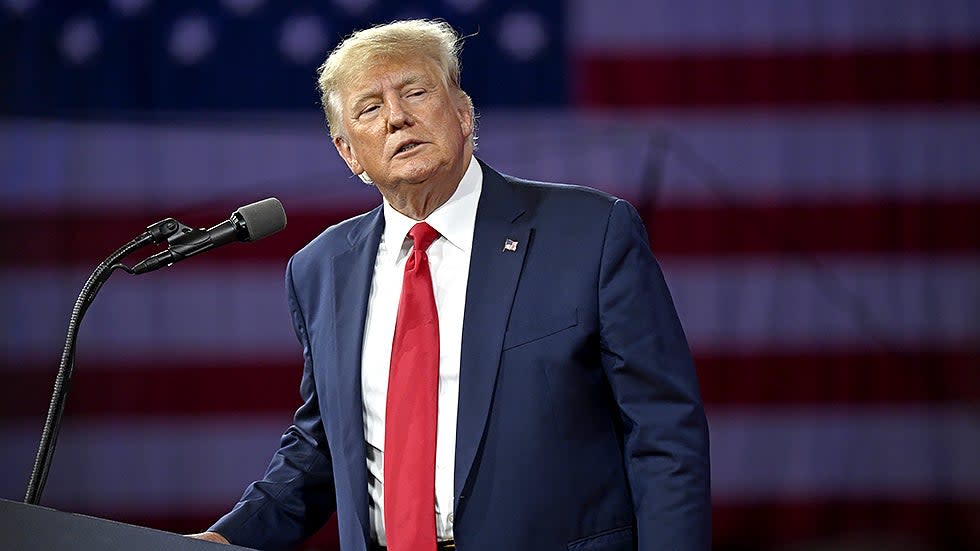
column 508, row 375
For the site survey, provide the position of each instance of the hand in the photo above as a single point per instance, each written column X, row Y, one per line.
column 210, row 536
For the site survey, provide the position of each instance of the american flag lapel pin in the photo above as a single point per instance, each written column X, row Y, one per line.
column 510, row 245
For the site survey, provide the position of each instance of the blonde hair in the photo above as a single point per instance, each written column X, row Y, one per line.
column 396, row 40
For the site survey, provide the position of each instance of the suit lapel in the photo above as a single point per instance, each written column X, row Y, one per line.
column 494, row 272
column 353, row 271
column 488, row 303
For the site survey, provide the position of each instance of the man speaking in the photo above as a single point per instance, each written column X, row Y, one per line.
column 491, row 364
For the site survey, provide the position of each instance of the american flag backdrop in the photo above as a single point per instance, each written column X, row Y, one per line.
column 809, row 172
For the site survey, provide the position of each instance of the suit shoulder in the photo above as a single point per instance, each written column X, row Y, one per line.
column 568, row 197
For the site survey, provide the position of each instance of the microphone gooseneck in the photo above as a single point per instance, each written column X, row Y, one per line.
column 249, row 223
column 56, row 408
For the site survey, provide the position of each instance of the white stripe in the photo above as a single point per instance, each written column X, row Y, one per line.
column 861, row 303
column 906, row 452
column 154, row 465
column 144, row 465
column 133, row 166
column 629, row 26
column 708, row 156
column 211, row 314
column 720, row 157
column 239, row 311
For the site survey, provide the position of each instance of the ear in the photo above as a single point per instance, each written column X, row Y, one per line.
column 347, row 154
column 464, row 111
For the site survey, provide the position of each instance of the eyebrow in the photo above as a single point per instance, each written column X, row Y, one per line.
column 412, row 78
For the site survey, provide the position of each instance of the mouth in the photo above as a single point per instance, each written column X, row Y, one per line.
column 406, row 148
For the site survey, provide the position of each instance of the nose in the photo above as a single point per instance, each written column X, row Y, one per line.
column 398, row 116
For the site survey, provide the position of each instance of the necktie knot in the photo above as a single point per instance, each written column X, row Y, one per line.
column 422, row 235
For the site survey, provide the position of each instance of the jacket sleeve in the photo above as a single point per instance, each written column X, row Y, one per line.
column 647, row 361
column 296, row 495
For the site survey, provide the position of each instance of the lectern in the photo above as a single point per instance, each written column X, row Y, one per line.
column 32, row 528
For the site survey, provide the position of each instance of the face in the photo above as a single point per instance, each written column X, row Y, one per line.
column 405, row 128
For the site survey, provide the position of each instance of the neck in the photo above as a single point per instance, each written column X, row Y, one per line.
column 418, row 201
column 419, row 204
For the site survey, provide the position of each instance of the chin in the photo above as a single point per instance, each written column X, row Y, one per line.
column 416, row 172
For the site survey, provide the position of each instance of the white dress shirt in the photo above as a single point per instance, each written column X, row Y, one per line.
column 449, row 263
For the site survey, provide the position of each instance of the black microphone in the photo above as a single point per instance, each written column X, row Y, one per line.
column 249, row 223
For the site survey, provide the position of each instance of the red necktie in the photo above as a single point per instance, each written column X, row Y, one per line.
column 410, row 415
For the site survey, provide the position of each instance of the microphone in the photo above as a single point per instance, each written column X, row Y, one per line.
column 249, row 223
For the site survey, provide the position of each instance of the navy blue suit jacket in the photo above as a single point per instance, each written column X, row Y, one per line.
column 580, row 424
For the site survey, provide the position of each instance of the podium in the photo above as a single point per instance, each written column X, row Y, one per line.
column 29, row 527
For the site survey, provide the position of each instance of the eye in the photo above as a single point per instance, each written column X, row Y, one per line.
column 416, row 93
column 368, row 110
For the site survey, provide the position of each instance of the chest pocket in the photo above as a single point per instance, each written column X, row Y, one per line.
column 538, row 326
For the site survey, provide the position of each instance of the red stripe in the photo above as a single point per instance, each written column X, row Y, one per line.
column 86, row 238
column 942, row 525
column 803, row 377
column 912, row 226
column 925, row 226
column 896, row 76
column 106, row 390
column 829, row 377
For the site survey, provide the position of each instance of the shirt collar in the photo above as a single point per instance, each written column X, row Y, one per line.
column 455, row 219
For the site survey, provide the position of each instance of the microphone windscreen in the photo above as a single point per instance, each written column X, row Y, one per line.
column 263, row 218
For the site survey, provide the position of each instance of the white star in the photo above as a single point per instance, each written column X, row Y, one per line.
column 80, row 40
column 522, row 34
column 192, row 39
column 130, row 7
column 466, row 6
column 354, row 7
column 19, row 7
column 302, row 38
column 242, row 7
